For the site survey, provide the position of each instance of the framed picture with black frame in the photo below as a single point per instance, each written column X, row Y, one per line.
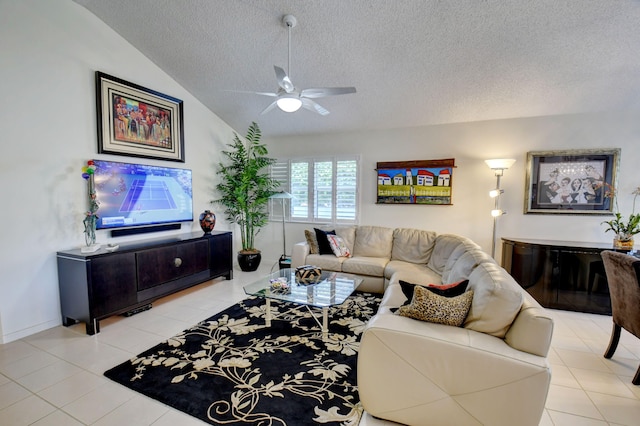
column 138, row 122
column 571, row 181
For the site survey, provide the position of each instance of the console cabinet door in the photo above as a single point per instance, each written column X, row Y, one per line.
column 160, row 265
column 559, row 277
column 221, row 260
column 113, row 283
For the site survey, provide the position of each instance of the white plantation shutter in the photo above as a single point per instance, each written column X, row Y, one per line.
column 346, row 190
column 279, row 172
column 325, row 189
column 299, row 180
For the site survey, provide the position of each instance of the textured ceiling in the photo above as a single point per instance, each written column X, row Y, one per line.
column 413, row 62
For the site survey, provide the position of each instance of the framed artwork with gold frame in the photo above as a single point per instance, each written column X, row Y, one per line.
column 138, row 122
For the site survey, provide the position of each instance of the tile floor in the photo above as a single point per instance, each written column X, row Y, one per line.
column 55, row 377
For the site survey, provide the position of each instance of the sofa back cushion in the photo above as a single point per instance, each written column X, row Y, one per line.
column 462, row 266
column 412, row 245
column 453, row 258
column 444, row 246
column 348, row 234
column 496, row 302
column 373, row 241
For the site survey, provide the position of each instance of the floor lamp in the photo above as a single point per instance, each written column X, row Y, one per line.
column 498, row 166
column 283, row 196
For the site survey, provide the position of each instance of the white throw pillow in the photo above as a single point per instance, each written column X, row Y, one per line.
column 338, row 246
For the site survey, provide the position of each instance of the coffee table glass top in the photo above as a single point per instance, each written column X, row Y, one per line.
column 332, row 288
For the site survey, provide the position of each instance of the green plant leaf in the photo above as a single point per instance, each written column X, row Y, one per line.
column 245, row 186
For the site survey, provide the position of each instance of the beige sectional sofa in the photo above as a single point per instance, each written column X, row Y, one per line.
column 491, row 370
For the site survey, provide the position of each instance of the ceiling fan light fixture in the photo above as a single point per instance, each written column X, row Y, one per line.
column 290, row 99
column 289, row 103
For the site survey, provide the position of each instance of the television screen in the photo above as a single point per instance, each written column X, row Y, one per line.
column 139, row 195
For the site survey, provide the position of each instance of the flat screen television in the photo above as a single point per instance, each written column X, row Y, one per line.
column 137, row 195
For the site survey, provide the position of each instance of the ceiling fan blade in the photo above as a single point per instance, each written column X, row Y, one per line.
column 269, row 108
column 321, row 92
column 313, row 106
column 283, row 79
column 273, row 95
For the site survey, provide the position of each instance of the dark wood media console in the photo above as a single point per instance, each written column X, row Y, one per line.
column 97, row 285
column 560, row 274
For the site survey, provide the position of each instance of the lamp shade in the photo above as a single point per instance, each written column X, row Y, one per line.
column 500, row 163
column 282, row 194
column 289, row 103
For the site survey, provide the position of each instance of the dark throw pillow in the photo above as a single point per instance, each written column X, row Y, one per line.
column 323, row 242
column 446, row 290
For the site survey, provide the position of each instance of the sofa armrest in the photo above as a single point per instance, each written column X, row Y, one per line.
column 532, row 330
column 299, row 254
column 410, row 370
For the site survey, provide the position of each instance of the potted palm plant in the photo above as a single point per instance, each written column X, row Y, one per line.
column 244, row 189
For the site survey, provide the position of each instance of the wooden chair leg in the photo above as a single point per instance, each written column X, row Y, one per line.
column 613, row 342
column 636, row 378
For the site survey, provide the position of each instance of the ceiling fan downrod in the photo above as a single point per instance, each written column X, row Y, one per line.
column 290, row 22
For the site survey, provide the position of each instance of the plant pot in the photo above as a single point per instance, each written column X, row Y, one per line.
column 623, row 243
column 249, row 261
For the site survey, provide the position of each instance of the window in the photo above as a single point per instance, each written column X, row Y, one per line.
column 324, row 189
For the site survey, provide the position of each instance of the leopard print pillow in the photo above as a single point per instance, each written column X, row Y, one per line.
column 428, row 306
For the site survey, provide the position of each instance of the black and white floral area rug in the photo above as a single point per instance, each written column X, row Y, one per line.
column 233, row 370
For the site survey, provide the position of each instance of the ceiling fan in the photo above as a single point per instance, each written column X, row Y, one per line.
column 288, row 97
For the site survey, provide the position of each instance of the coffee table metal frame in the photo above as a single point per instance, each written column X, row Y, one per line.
column 331, row 289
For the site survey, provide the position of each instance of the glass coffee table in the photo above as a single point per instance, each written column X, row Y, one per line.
column 330, row 289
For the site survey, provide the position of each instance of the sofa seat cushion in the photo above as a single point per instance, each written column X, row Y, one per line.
column 328, row 262
column 412, row 245
column 361, row 265
column 373, row 241
column 496, row 302
column 412, row 272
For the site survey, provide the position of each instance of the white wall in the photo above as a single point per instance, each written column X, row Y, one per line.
column 470, row 144
column 50, row 52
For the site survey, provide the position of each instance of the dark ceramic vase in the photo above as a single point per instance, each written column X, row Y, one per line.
column 249, row 262
column 207, row 221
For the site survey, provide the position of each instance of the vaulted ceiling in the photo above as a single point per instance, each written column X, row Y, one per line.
column 413, row 62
